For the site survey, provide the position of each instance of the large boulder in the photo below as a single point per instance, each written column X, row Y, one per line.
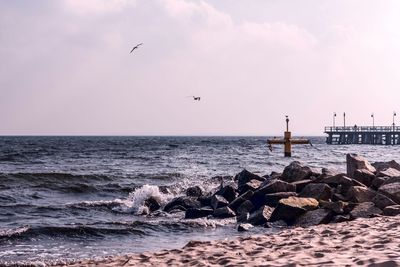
column 272, row 200
column 381, row 166
column 378, row 181
column 392, row 210
column 153, row 203
column 194, row 191
column 251, row 185
column 364, row 176
column 240, row 199
column 245, row 207
column 184, row 202
column 336, row 207
column 228, row 192
column 224, row 212
column 245, row 176
column 218, row 201
column 390, row 172
column 301, row 184
column 289, row 209
column 260, row 216
column 391, row 188
column 317, row 191
column 314, row 217
column 382, row 201
column 365, row 210
column 198, row 213
column 274, row 186
column 338, row 179
column 296, row 171
column 356, row 162
column 360, row 194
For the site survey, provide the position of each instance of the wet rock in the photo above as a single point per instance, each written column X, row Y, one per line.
column 365, row 210
column 390, row 172
column 392, row 210
column 194, row 191
column 359, row 194
column 240, row 218
column 252, row 185
column 289, row 209
column 277, row 224
column 336, row 207
column 364, row 176
column 272, row 200
column 296, row 171
column 228, row 192
column 382, row 201
column 301, row 184
column 198, row 213
column 378, row 182
column 356, row 162
column 317, row 191
column 260, row 216
column 381, row 166
column 184, row 202
column 341, row 218
column 153, row 203
column 245, row 207
column 245, row 176
column 243, row 227
column 218, row 201
column 314, row 217
column 224, row 212
column 234, row 205
column 391, row 189
column 276, row 186
column 205, row 200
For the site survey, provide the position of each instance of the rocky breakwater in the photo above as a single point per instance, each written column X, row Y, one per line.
column 299, row 196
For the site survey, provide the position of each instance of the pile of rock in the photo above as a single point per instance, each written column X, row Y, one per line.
column 300, row 195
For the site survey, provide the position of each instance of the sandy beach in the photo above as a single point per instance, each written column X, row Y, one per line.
column 362, row 242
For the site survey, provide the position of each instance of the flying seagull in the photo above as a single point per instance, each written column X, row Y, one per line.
column 195, row 98
column 136, row 47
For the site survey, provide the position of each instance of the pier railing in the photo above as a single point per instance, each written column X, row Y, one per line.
column 366, row 129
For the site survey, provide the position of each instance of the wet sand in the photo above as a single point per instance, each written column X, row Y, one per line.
column 362, row 242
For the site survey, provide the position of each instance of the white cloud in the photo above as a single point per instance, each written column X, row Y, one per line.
column 96, row 7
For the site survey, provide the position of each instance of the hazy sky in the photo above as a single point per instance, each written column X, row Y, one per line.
column 66, row 68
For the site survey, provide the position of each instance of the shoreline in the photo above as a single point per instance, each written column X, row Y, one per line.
column 361, row 242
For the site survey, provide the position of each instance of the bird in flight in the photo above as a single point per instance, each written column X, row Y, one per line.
column 136, row 47
column 195, row 98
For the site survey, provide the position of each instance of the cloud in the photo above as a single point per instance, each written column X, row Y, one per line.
column 96, row 7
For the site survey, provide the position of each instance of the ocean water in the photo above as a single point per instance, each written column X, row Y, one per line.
column 81, row 197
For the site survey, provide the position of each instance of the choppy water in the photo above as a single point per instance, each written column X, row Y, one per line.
column 78, row 197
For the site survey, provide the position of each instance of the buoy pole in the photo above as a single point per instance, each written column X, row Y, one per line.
column 287, row 137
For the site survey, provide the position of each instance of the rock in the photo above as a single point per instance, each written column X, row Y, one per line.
column 224, row 212
column 184, row 202
column 364, row 176
column 260, row 216
column 360, row 194
column 356, row 162
column 336, row 207
column 153, row 203
column 276, row 186
column 205, row 200
column 277, row 224
column 243, row 227
column 218, row 201
column 194, row 191
column 339, row 179
column 234, row 205
column 339, row 197
column 301, row 184
column 391, row 210
column 391, row 189
column 273, row 199
column 198, row 213
column 390, row 172
column 228, row 192
column 314, row 217
column 245, row 207
column 317, row 191
column 328, row 173
column 382, row 201
column 365, row 210
column 378, row 181
column 381, row 166
column 289, row 209
column 245, row 176
column 252, row 185
column 296, row 172
column 341, row 218
column 240, row 218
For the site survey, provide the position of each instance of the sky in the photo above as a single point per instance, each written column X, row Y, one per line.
column 66, row 68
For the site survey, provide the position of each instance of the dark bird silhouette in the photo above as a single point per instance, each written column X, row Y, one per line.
column 136, row 47
column 195, row 98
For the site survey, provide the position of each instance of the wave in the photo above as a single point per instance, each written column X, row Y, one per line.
column 52, row 176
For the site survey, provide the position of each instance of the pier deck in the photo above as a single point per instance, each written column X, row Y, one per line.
column 371, row 135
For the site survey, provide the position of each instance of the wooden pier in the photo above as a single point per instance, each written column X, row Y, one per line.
column 370, row 135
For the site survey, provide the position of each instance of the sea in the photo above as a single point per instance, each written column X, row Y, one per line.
column 68, row 198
